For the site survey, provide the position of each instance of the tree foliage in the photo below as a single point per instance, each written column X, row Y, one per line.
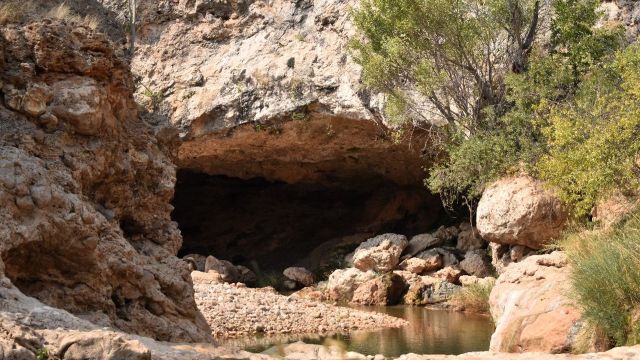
column 559, row 108
column 452, row 54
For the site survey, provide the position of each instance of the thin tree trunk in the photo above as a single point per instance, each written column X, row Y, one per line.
column 132, row 25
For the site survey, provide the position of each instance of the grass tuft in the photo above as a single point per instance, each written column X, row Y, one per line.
column 14, row 12
column 64, row 12
column 606, row 279
column 474, row 298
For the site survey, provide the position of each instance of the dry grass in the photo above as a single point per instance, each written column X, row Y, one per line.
column 261, row 78
column 13, row 12
column 606, row 278
column 474, row 298
column 64, row 12
column 60, row 12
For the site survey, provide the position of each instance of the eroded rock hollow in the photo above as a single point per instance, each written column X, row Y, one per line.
column 289, row 192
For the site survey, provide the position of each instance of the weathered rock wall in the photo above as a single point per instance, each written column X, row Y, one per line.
column 84, row 188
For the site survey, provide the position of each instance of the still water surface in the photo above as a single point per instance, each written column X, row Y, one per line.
column 429, row 332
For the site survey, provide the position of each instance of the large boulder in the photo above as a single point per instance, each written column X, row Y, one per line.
column 530, row 307
column 477, row 263
column 519, row 211
column 421, row 242
column 343, row 282
column 381, row 253
column 383, row 290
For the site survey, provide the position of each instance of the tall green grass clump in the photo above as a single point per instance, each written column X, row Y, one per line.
column 606, row 279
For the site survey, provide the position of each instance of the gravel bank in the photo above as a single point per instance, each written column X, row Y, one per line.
column 235, row 311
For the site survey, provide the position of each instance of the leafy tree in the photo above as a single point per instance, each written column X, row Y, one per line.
column 510, row 103
column 451, row 54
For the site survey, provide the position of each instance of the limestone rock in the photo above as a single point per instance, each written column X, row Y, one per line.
column 446, row 234
column 225, row 268
column 470, row 239
column 429, row 291
column 503, row 255
column 449, row 274
column 430, row 262
column 196, row 260
column 530, row 307
column 300, row 275
column 247, row 276
column 80, row 102
column 342, row 283
column 477, row 263
column 383, row 290
column 209, row 277
column 421, row 242
column 448, row 258
column 91, row 212
column 468, row 280
column 518, row 211
column 35, row 99
column 381, row 253
column 309, row 293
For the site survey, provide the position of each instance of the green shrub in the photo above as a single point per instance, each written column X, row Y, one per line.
column 606, row 279
column 42, row 354
column 474, row 298
column 594, row 140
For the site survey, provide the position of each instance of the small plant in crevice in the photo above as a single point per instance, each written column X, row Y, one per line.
column 291, row 63
column 299, row 116
column 261, row 78
column 296, row 89
column 274, row 130
column 155, row 97
column 329, row 130
column 300, row 37
column 42, row 354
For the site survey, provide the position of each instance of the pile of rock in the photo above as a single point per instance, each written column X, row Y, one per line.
column 223, row 270
column 389, row 269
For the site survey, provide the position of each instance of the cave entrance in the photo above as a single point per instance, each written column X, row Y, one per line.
column 274, row 224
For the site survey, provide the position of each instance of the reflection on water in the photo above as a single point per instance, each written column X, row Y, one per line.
column 429, row 332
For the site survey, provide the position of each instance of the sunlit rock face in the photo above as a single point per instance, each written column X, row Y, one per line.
column 84, row 188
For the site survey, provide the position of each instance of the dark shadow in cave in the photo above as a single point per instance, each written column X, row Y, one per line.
column 277, row 224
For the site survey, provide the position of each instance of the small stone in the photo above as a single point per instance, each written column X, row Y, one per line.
column 41, row 195
column 34, row 101
column 48, row 121
column 25, row 203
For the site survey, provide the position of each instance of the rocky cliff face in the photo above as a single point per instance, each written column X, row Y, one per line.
column 84, row 188
column 264, row 89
